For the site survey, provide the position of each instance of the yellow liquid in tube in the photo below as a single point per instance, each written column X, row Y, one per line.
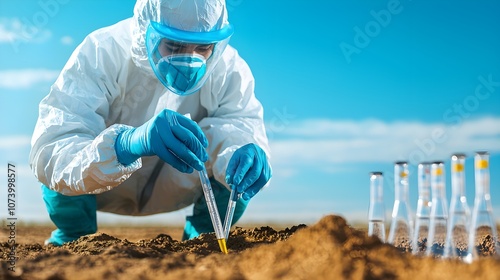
column 222, row 245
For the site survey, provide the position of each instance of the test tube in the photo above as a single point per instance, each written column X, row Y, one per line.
column 231, row 206
column 376, row 212
column 401, row 232
column 483, row 231
column 421, row 231
column 457, row 235
column 439, row 212
column 210, row 198
column 212, row 209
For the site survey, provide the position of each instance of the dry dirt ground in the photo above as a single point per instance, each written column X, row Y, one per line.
column 329, row 249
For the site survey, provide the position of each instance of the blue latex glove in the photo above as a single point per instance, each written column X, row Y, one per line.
column 248, row 170
column 175, row 139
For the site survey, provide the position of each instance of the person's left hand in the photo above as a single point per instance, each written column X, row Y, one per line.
column 248, row 170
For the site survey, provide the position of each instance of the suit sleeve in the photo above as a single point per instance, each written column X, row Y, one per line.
column 72, row 147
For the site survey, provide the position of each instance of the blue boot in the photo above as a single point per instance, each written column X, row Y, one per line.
column 200, row 221
column 74, row 216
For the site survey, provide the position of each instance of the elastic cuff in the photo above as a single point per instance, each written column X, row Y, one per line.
column 122, row 154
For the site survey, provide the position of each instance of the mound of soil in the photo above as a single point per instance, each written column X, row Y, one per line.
column 329, row 249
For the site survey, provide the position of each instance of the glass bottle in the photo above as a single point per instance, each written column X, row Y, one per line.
column 439, row 212
column 376, row 212
column 401, row 232
column 457, row 236
column 421, row 231
column 483, row 233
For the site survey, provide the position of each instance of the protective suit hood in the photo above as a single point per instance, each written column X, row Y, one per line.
column 185, row 15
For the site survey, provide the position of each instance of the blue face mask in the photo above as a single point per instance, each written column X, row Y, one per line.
column 181, row 72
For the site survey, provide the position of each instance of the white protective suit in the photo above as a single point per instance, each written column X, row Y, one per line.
column 108, row 86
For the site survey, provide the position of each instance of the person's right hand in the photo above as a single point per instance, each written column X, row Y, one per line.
column 175, row 139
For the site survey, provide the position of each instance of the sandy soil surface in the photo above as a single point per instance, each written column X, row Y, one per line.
column 329, row 249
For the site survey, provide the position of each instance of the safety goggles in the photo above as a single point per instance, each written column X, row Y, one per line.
column 183, row 60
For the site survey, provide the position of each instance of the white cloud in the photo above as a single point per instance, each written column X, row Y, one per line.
column 15, row 31
column 15, row 141
column 326, row 142
column 25, row 78
column 67, row 40
column 6, row 35
column 15, row 149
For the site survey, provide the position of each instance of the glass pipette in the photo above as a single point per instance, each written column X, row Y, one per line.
column 458, row 223
column 439, row 212
column 482, row 222
column 376, row 211
column 212, row 209
column 233, row 198
column 401, row 232
column 209, row 197
column 423, row 214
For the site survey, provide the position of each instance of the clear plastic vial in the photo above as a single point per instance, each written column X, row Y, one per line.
column 457, row 236
column 401, row 232
column 439, row 212
column 376, row 211
column 422, row 220
column 483, row 233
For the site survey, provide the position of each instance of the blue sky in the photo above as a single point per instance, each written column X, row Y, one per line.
column 348, row 87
